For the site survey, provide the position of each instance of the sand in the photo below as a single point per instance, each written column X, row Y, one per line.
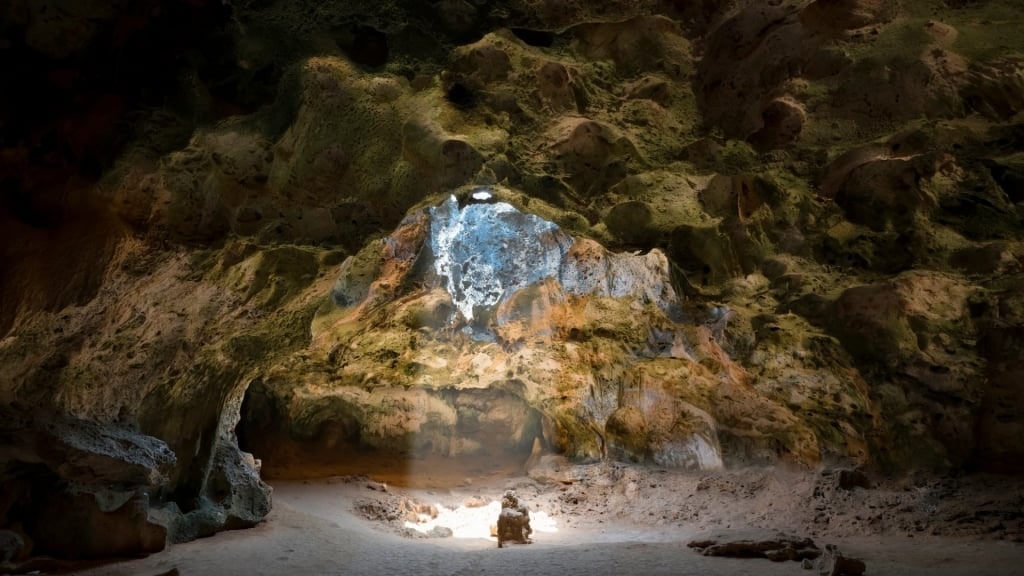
column 604, row 520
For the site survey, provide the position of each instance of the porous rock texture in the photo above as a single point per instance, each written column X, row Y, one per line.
column 733, row 232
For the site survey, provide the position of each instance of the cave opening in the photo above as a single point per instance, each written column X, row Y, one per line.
column 538, row 38
column 365, row 45
column 472, row 441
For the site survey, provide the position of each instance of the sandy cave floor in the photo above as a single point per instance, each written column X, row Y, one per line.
column 613, row 519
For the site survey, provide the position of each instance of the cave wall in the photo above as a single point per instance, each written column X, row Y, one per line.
column 835, row 189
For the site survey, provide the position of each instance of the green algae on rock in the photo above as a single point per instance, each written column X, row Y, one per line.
column 585, row 351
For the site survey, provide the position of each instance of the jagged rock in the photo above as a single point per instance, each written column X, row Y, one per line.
column 996, row 88
column 84, row 451
column 887, row 194
column 774, row 546
column 513, row 521
column 764, row 44
column 909, row 321
column 234, row 484
column 592, row 154
column 524, row 296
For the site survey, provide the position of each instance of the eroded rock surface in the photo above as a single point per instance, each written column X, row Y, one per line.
column 539, row 359
column 743, row 232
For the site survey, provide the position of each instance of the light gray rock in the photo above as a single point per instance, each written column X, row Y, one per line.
column 84, row 451
column 486, row 251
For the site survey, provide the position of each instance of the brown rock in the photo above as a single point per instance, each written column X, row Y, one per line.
column 651, row 88
column 554, row 85
column 782, row 121
column 626, row 434
column 848, row 479
column 775, row 546
column 888, row 194
column 834, row 563
column 591, row 153
column 80, row 526
column 642, row 44
column 763, row 45
column 514, row 521
column 481, row 63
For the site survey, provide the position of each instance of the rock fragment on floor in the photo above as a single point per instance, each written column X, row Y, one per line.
column 834, row 563
column 775, row 546
column 514, row 520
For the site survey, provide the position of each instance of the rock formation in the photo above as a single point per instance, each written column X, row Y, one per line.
column 691, row 234
column 514, row 520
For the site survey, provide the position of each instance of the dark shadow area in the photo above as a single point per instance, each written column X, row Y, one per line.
column 434, row 456
column 364, row 45
column 538, row 38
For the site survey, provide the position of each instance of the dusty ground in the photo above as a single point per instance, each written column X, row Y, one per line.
column 613, row 519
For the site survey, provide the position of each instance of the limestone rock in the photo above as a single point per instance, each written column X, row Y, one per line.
column 485, row 251
column 235, row 485
column 591, row 153
column 917, row 321
column 83, row 451
column 168, row 234
column 513, row 521
column 651, row 88
column 543, row 305
column 782, row 121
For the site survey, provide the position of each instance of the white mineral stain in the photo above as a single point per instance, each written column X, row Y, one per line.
column 484, row 252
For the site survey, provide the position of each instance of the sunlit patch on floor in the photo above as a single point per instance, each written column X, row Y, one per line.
column 476, row 521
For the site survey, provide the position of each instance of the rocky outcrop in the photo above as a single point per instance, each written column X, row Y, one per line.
column 78, row 489
column 513, row 521
column 475, row 311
